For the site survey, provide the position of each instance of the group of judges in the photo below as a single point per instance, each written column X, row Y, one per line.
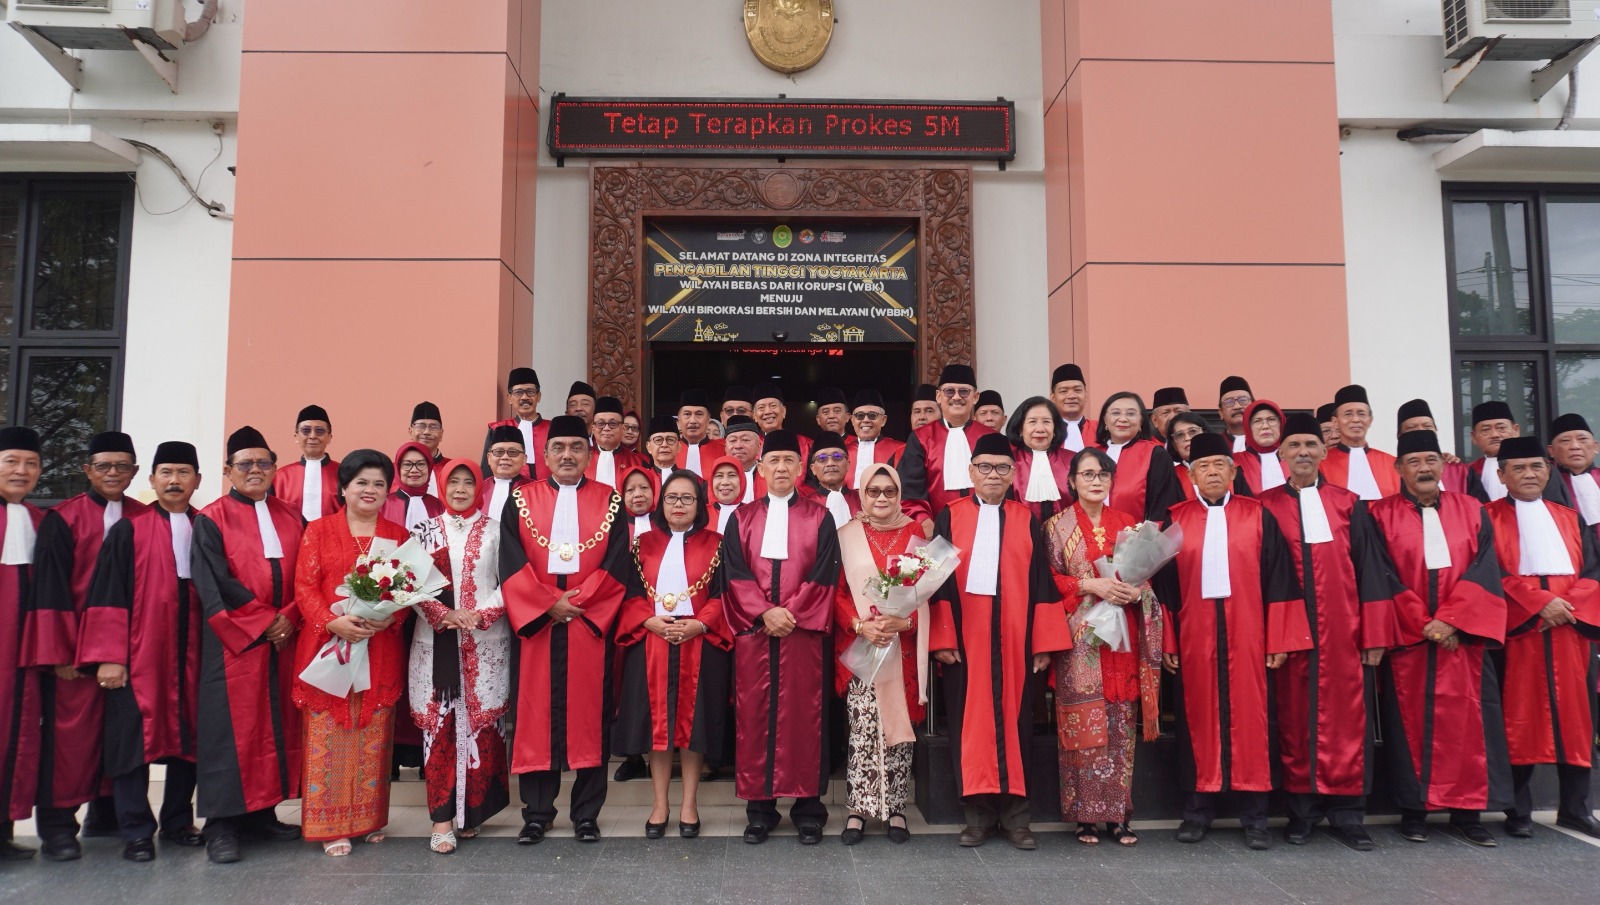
column 687, row 583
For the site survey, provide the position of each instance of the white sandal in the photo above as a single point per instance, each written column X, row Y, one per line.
column 336, row 848
column 375, row 837
column 443, row 843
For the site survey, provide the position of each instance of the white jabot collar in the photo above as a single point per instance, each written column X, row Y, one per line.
column 1362, row 483
column 20, row 536
column 109, row 517
column 1492, row 488
column 865, row 451
column 983, row 573
column 839, row 507
column 673, row 578
column 691, row 457
column 1074, row 438
column 641, row 525
column 957, row 456
column 1239, row 444
column 1586, row 493
column 564, row 531
column 311, row 489
column 526, row 429
column 416, row 511
column 1314, row 527
column 1271, row 470
column 182, row 543
column 498, row 497
column 749, row 486
column 722, row 518
column 605, row 467
column 1042, row 486
column 1215, row 581
column 271, row 546
column 1543, row 551
column 775, row 536
column 1114, row 450
column 1435, row 546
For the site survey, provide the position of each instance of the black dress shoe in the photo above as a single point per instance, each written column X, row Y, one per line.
column 1297, row 831
column 532, row 833
column 223, row 849
column 273, row 830
column 10, row 851
column 1586, row 825
column 188, row 837
column 588, row 831
column 810, row 834
column 630, row 768
column 655, row 830
column 139, row 851
column 755, row 834
column 689, row 830
column 1475, row 833
column 1257, row 838
column 1190, row 831
column 855, row 830
column 65, row 848
column 899, row 835
column 1354, row 835
column 1519, row 827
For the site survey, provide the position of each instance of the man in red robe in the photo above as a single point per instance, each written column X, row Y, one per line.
column 865, row 442
column 19, row 685
column 1351, row 463
column 580, row 400
column 1444, row 741
column 248, row 745
column 781, row 553
column 1574, row 482
column 934, row 464
column 508, row 468
column 772, row 413
column 924, row 405
column 1166, row 404
column 990, row 411
column 141, row 640
column 1234, row 398
column 1492, row 423
column 1070, row 392
column 522, row 395
column 427, row 428
column 563, row 568
column 311, row 485
column 1236, row 612
column 833, row 416
column 610, row 459
column 698, row 450
column 828, row 466
column 1458, row 476
column 74, row 707
column 1548, row 567
column 736, row 401
column 742, row 438
column 1357, row 609
column 993, row 627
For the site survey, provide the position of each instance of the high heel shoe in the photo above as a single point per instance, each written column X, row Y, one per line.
column 655, row 830
column 689, row 830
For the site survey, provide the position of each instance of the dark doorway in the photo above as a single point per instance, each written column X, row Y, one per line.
column 799, row 370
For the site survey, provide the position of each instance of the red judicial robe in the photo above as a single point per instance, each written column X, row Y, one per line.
column 1353, row 602
column 674, row 695
column 536, row 469
column 1180, row 472
column 815, row 493
column 249, row 744
column 621, row 460
column 1145, row 485
column 1223, row 644
column 1060, row 459
column 710, row 451
column 289, row 484
column 70, row 750
column 922, row 463
column 1250, row 465
column 1336, row 469
column 1442, row 725
column 142, row 616
column 394, row 508
column 1459, row 477
column 486, row 491
column 781, row 685
column 1548, row 689
column 989, row 693
column 563, row 686
column 1089, row 428
column 885, row 449
column 19, row 689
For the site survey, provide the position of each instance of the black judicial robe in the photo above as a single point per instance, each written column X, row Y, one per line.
column 70, row 750
column 922, row 463
column 1444, row 735
column 563, row 685
column 781, row 686
column 19, row 689
column 248, row 745
column 988, row 694
column 145, row 618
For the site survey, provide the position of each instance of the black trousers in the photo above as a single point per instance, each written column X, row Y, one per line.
column 1340, row 810
column 1574, row 782
column 1201, row 808
column 231, row 826
column 539, row 788
column 1458, row 816
column 131, row 792
column 990, row 810
column 61, row 823
column 804, row 812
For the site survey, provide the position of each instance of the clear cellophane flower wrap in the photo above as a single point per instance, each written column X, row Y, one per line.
column 384, row 581
column 1139, row 554
column 903, row 588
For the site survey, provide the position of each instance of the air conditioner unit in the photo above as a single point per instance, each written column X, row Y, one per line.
column 1527, row 29
column 101, row 24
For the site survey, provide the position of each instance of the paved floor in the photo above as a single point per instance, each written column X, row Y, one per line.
column 930, row 870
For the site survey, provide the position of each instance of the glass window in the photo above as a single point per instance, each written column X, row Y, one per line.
column 69, row 401
column 1573, row 225
column 1489, row 275
column 77, row 261
column 10, row 229
column 1483, row 380
column 1578, row 383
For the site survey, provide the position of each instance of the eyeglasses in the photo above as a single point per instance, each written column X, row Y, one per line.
column 606, row 424
column 524, row 394
column 113, row 467
column 413, row 466
column 1186, row 435
column 505, row 453
column 830, row 457
column 1094, row 477
column 955, row 392
column 253, row 465
column 663, row 440
column 986, row 468
column 679, row 499
column 879, row 492
column 867, row 416
column 309, row 431
column 1235, row 402
column 427, row 427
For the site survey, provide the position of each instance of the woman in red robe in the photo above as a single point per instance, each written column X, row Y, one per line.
column 348, row 740
column 1036, row 432
column 1258, row 462
column 727, row 490
column 676, row 647
column 1181, row 431
column 1101, row 693
column 639, row 487
column 1146, row 485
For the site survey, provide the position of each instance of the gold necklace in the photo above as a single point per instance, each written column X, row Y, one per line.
column 567, row 551
column 669, row 602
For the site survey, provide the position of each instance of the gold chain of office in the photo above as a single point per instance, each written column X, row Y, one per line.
column 566, row 551
column 669, row 602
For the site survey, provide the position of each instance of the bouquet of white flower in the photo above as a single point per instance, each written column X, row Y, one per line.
column 907, row 586
column 1139, row 554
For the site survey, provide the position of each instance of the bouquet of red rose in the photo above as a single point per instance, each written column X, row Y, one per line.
column 383, row 582
column 906, row 586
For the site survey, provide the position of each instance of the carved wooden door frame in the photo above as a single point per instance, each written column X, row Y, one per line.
column 625, row 195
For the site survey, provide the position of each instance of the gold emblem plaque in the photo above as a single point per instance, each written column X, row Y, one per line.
column 788, row 35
